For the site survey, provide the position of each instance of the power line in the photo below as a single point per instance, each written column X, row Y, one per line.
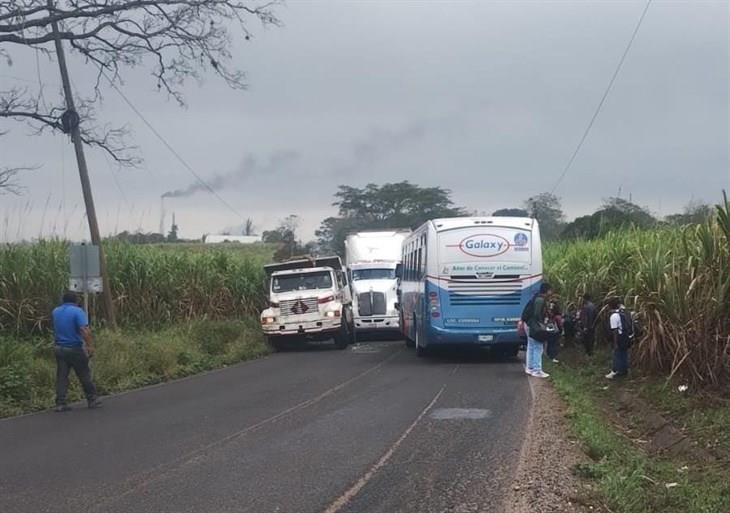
column 169, row 147
column 603, row 99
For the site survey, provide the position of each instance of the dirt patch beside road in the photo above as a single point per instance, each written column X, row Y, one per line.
column 545, row 481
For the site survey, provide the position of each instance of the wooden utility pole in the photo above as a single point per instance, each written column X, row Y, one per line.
column 72, row 122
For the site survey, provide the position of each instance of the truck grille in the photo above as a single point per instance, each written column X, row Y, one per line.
column 299, row 306
column 371, row 303
column 484, row 293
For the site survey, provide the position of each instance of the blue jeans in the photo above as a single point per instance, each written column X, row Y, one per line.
column 621, row 361
column 533, row 358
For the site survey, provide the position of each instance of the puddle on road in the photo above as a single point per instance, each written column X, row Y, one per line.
column 459, row 413
column 365, row 348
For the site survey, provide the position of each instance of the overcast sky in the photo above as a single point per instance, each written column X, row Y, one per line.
column 487, row 99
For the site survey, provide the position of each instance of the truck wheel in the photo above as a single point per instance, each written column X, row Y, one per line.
column 344, row 336
column 276, row 344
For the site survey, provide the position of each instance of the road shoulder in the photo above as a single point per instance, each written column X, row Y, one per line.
column 545, row 479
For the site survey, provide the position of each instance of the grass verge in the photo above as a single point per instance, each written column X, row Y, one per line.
column 627, row 478
column 125, row 361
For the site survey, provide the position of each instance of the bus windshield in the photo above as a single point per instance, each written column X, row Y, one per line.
column 304, row 281
column 373, row 274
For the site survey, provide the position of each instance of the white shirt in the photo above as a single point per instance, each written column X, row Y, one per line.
column 615, row 322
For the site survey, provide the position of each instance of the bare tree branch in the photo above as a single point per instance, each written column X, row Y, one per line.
column 178, row 39
column 8, row 178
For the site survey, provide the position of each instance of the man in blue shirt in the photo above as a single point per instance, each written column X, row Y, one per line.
column 73, row 349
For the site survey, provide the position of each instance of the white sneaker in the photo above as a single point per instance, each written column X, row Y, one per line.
column 540, row 374
column 611, row 375
column 555, row 360
column 528, row 371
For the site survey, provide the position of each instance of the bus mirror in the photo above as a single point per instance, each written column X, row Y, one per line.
column 396, row 306
column 399, row 271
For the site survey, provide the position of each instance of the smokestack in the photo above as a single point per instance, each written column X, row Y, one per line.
column 162, row 215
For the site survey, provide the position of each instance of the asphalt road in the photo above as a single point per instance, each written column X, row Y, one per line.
column 368, row 429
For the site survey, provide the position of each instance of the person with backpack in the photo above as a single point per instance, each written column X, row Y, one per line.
column 535, row 317
column 622, row 334
column 587, row 320
column 555, row 315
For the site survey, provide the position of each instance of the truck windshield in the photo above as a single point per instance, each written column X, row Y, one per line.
column 373, row 274
column 305, row 281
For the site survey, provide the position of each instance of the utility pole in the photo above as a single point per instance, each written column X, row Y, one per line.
column 71, row 123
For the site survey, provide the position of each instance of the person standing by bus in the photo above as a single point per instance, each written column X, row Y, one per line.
column 555, row 315
column 537, row 333
column 73, row 349
column 587, row 321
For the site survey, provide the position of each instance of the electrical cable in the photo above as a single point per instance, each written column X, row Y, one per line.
column 603, row 99
column 169, row 147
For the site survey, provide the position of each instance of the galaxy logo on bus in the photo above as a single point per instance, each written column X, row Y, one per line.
column 483, row 245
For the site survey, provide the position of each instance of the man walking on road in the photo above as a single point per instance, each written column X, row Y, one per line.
column 73, row 349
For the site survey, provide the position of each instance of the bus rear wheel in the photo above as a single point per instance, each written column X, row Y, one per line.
column 508, row 352
column 421, row 351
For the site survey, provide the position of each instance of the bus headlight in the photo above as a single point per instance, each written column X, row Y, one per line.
column 268, row 320
column 332, row 313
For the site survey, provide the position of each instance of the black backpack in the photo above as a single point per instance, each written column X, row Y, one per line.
column 529, row 310
column 626, row 338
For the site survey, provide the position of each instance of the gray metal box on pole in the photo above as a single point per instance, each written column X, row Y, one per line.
column 85, row 269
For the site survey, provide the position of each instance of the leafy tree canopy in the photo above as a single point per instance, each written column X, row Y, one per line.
column 616, row 213
column 511, row 212
column 285, row 236
column 387, row 206
column 548, row 211
column 695, row 212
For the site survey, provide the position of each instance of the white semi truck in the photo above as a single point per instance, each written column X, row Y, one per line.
column 309, row 299
column 372, row 259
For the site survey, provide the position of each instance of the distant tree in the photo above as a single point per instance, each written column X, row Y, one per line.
column 548, row 211
column 248, row 227
column 387, row 206
column 615, row 214
column 695, row 212
column 139, row 237
column 638, row 216
column 285, row 237
column 511, row 212
column 333, row 231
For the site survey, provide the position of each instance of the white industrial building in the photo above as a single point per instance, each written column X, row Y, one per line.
column 240, row 239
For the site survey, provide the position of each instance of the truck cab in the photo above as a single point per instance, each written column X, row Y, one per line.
column 373, row 259
column 309, row 299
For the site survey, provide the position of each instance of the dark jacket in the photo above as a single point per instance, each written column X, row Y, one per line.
column 539, row 312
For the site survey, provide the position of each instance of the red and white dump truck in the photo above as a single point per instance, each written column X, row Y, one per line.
column 309, row 299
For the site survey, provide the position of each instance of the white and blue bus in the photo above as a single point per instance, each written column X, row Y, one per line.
column 465, row 281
